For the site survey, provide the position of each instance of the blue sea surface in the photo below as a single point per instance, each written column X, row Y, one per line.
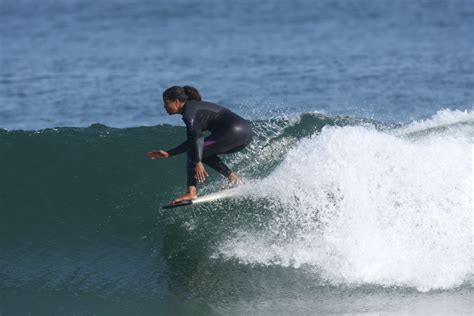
column 74, row 63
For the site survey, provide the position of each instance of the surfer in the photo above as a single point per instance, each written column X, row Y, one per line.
column 229, row 133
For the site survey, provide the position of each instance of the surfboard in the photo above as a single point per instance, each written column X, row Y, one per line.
column 224, row 194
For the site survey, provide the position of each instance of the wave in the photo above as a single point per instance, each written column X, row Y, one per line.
column 360, row 205
column 351, row 200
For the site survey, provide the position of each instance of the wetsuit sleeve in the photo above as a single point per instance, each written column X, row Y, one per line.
column 179, row 149
column 195, row 139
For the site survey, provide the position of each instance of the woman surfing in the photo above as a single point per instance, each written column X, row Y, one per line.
column 229, row 133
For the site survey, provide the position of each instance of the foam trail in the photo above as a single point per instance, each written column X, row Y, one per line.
column 361, row 206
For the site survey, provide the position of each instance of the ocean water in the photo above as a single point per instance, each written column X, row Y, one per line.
column 78, row 62
column 358, row 195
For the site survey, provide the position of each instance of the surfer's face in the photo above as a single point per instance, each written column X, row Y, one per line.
column 173, row 107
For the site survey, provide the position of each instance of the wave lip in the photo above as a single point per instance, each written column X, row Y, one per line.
column 444, row 119
column 363, row 206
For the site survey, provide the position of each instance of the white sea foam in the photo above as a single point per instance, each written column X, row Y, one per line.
column 361, row 206
column 443, row 118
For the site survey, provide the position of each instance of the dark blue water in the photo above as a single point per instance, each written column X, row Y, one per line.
column 345, row 212
column 73, row 63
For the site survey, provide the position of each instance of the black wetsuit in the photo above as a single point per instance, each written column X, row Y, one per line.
column 229, row 133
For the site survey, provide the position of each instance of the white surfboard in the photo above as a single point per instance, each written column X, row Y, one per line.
column 224, row 194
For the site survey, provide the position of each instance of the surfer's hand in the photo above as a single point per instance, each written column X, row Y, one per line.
column 201, row 173
column 160, row 154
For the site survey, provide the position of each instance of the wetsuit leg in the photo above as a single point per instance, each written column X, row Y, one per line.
column 217, row 164
column 210, row 159
column 223, row 142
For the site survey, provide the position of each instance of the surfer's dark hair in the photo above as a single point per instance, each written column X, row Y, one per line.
column 181, row 93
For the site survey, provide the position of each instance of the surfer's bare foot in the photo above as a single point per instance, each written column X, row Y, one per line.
column 233, row 179
column 191, row 195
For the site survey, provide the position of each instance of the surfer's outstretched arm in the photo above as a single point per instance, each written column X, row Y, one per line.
column 181, row 148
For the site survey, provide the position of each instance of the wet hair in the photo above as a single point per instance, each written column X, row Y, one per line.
column 181, row 93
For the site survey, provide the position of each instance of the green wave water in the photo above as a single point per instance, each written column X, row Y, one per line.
column 81, row 230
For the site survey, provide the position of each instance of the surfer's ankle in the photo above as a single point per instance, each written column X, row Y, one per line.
column 185, row 197
column 192, row 190
column 233, row 178
column 190, row 196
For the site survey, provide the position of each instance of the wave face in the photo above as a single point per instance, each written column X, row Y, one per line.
column 333, row 207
